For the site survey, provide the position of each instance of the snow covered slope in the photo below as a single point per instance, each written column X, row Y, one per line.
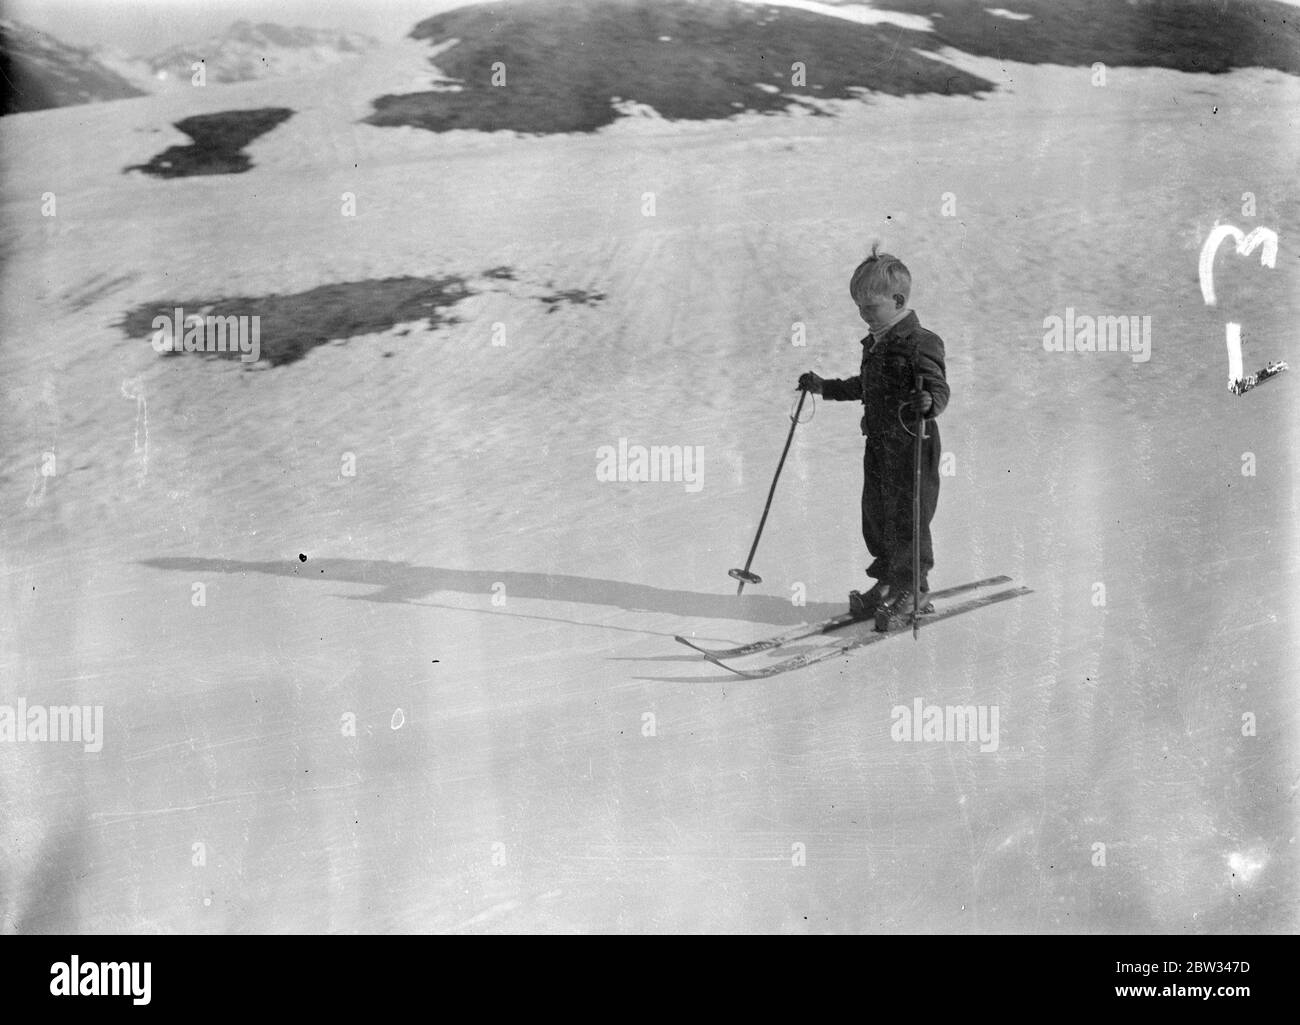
column 247, row 51
column 376, row 649
column 41, row 72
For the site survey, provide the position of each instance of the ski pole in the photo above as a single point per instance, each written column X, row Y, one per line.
column 916, row 518
column 744, row 575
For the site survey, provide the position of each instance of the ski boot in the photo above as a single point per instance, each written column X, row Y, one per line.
column 896, row 612
column 864, row 606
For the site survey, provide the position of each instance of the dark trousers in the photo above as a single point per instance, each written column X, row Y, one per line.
column 887, row 475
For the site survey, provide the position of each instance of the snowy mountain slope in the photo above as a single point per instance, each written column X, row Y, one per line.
column 46, row 72
column 475, row 479
column 41, row 72
column 247, row 52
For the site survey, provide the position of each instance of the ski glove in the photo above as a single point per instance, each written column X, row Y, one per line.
column 810, row 382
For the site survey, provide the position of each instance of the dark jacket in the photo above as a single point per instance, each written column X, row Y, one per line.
column 889, row 365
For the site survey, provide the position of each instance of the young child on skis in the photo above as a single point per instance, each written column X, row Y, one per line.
column 896, row 352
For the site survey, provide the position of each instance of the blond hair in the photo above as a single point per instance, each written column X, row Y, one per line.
column 880, row 274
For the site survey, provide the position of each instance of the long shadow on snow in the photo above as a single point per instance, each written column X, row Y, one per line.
column 403, row 582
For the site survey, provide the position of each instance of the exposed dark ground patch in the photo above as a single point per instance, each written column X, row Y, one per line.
column 1184, row 35
column 574, row 296
column 218, row 143
column 292, row 325
column 566, row 60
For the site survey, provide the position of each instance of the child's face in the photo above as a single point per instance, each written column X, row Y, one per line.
column 877, row 310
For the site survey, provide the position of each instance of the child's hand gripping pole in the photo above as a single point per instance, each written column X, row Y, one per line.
column 744, row 575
